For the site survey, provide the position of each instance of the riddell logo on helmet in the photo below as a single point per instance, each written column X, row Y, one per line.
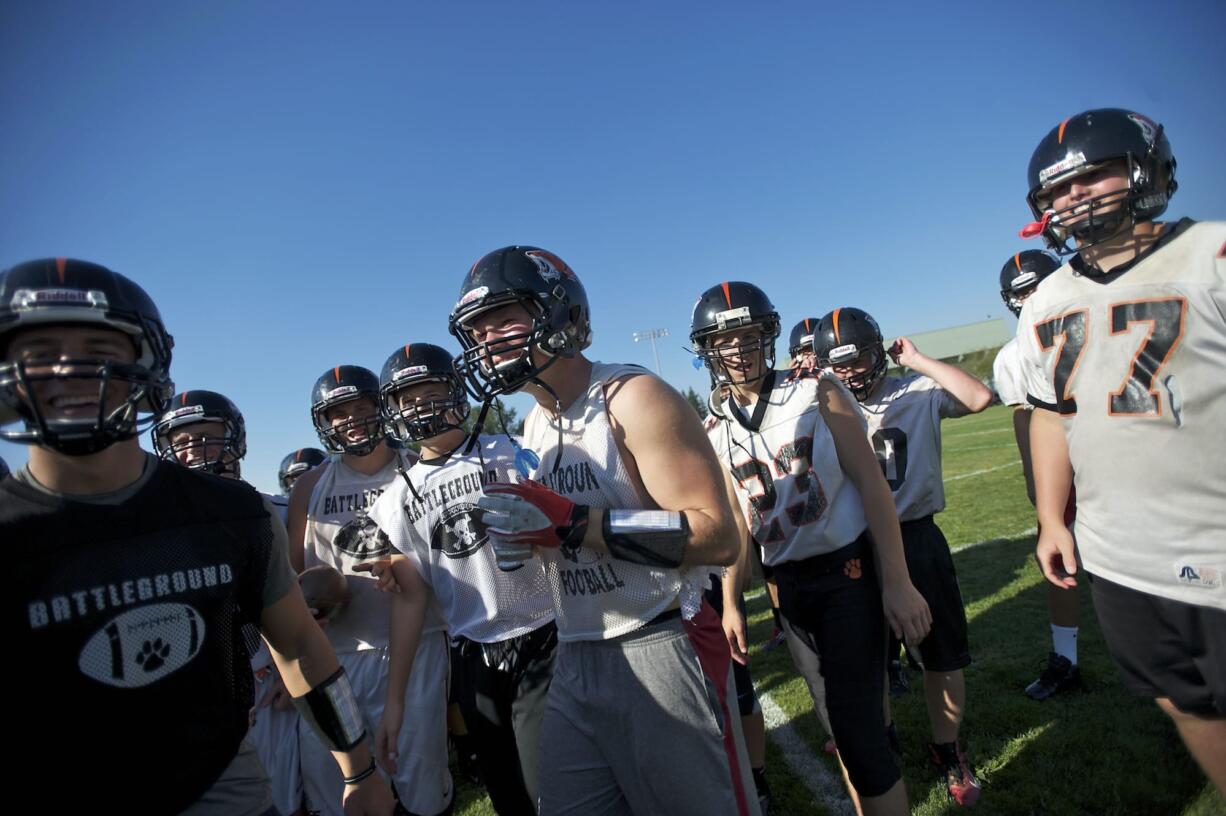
column 551, row 267
column 1069, row 162
column 190, row 409
column 473, row 294
column 34, row 298
column 409, row 372
column 846, row 352
column 343, row 391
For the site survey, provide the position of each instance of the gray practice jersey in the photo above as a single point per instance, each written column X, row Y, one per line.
column 440, row 530
column 596, row 596
column 792, row 489
column 1007, row 375
column 339, row 533
column 1134, row 362
column 904, row 425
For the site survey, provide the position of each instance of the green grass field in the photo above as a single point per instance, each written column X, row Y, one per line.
column 1100, row 751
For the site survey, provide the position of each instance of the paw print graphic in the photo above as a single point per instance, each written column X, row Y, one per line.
column 852, row 569
column 153, row 654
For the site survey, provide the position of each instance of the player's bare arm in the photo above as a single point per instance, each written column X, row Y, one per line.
column 967, row 389
column 664, row 439
column 408, row 617
column 306, row 662
column 299, row 503
column 906, row 611
column 736, row 581
column 1053, row 479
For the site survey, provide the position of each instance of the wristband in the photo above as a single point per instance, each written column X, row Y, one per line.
column 353, row 780
column 653, row 538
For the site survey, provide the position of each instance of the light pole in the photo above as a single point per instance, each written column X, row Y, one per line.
column 652, row 334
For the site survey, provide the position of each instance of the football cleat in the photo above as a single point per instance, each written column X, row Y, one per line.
column 1058, row 674
column 960, row 781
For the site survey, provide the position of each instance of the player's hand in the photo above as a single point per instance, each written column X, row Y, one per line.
column 1056, row 554
column 734, row 631
column 906, row 612
column 370, row 797
column 710, row 422
column 903, row 352
column 527, row 514
column 381, row 571
column 387, row 736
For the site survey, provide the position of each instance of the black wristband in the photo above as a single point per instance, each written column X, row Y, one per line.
column 356, row 778
column 653, row 538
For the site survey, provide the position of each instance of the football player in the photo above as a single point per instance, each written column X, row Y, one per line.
column 904, row 416
column 329, row 524
column 641, row 665
column 136, row 574
column 1122, row 349
column 819, row 507
column 205, row 431
column 1019, row 277
column 800, row 348
column 297, row 463
column 500, row 623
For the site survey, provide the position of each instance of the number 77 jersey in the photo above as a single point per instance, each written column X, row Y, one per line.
column 1135, row 363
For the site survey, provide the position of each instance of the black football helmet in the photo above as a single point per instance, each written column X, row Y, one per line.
column 189, row 408
column 410, row 365
column 71, row 292
column 727, row 306
column 4, row 468
column 841, row 337
column 1081, row 144
column 801, row 338
column 1021, row 274
column 297, row 463
column 339, row 385
column 543, row 284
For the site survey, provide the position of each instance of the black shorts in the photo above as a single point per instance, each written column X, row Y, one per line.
column 931, row 566
column 833, row 603
column 1165, row 648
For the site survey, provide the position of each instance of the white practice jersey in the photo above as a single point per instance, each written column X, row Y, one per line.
column 904, row 426
column 278, row 505
column 1135, row 362
column 596, row 596
column 340, row 533
column 443, row 535
column 1007, row 375
column 795, row 496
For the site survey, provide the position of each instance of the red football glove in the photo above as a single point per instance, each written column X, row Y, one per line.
column 527, row 514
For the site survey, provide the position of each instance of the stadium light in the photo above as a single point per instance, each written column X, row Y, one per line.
column 652, row 334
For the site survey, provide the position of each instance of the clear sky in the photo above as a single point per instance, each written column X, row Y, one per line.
column 300, row 185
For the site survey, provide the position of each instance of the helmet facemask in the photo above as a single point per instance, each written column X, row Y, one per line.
column 231, row 445
column 80, row 436
column 487, row 379
column 721, row 360
column 334, row 436
column 423, row 419
column 860, row 384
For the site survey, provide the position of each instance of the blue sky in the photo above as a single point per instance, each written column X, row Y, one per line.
column 304, row 185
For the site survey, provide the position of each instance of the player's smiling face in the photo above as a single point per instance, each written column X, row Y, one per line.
column 63, row 364
column 862, row 364
column 740, row 353
column 354, row 418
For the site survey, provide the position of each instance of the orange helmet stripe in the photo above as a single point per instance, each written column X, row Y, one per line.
column 727, row 294
column 336, row 374
column 837, row 339
column 1017, row 261
column 1060, row 132
column 807, row 329
column 407, row 346
column 59, row 267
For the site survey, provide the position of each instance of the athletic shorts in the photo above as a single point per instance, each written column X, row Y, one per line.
column 834, row 605
column 641, row 724
column 1165, row 648
column 946, row 649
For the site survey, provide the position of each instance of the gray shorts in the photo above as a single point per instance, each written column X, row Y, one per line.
column 642, row 724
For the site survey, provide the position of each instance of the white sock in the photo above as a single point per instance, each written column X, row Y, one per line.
column 1064, row 642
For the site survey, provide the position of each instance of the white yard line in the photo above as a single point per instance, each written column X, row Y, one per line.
column 981, row 472
column 826, row 788
column 1029, row 531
